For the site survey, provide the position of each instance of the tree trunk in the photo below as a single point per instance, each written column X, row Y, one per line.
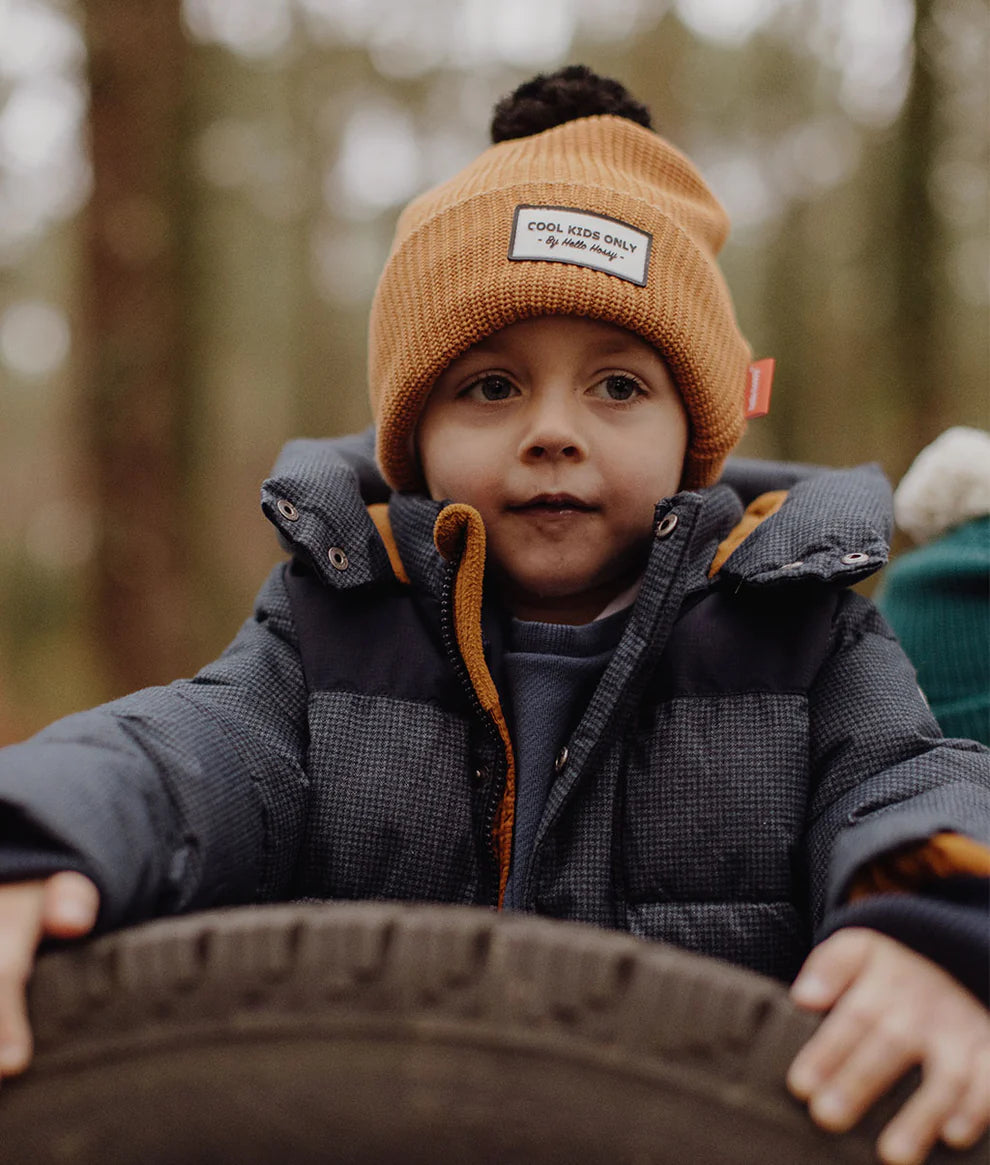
column 136, row 399
column 915, row 239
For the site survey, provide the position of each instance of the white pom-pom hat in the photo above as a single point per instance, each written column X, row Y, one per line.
column 948, row 484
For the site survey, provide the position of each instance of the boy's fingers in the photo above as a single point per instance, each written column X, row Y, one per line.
column 892, row 1011
column 20, row 926
column 971, row 1116
column 915, row 1129
column 877, row 1061
column 65, row 906
column 15, row 1033
column 831, row 968
column 842, row 1031
column 71, row 904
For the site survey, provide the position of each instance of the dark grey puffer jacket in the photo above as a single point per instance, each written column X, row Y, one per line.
column 756, row 739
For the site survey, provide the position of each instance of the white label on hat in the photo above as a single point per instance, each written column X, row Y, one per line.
column 559, row 234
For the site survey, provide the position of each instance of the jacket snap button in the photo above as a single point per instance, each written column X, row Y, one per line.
column 854, row 559
column 667, row 525
column 287, row 510
column 561, row 760
column 338, row 559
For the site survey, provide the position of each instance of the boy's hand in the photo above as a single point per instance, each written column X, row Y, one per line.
column 62, row 906
column 892, row 1009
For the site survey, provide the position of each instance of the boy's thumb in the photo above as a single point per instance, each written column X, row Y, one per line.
column 71, row 905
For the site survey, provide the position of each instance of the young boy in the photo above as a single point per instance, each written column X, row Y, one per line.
column 552, row 665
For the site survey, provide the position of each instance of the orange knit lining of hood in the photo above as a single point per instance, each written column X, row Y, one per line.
column 379, row 515
column 757, row 511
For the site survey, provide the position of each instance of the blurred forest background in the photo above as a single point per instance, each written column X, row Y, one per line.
column 196, row 199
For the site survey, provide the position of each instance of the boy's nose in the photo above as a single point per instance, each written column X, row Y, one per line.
column 552, row 435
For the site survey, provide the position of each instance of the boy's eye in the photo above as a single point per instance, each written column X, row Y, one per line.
column 618, row 387
column 490, row 388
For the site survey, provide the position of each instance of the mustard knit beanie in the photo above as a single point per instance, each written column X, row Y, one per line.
column 597, row 217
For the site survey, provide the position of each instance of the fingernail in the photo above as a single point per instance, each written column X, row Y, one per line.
column 899, row 1150
column 73, row 913
column 830, row 1107
column 802, row 1080
column 809, row 989
column 958, row 1130
column 11, row 1057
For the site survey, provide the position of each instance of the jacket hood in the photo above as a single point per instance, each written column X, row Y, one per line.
column 317, row 498
column 834, row 525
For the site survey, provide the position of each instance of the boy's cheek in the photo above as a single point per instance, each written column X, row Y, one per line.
column 415, row 455
column 421, row 444
column 430, row 487
column 455, row 470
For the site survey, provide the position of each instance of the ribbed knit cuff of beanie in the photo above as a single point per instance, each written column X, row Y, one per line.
column 937, row 598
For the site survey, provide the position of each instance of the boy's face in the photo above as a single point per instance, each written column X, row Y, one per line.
column 563, row 433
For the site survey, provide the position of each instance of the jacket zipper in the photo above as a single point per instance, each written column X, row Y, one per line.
column 449, row 638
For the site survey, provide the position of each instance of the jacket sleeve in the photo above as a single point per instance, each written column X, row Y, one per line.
column 884, row 776
column 174, row 798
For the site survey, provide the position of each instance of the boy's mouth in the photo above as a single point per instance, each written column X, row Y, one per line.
column 552, row 504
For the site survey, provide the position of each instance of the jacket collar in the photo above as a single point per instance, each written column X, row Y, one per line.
column 834, row 525
column 317, row 498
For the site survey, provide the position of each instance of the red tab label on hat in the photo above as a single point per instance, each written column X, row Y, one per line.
column 758, row 387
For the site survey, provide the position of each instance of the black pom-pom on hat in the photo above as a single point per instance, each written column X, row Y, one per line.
column 551, row 99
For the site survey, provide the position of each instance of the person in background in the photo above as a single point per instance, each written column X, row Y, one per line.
column 937, row 597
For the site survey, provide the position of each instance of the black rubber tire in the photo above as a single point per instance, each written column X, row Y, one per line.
column 370, row 1032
